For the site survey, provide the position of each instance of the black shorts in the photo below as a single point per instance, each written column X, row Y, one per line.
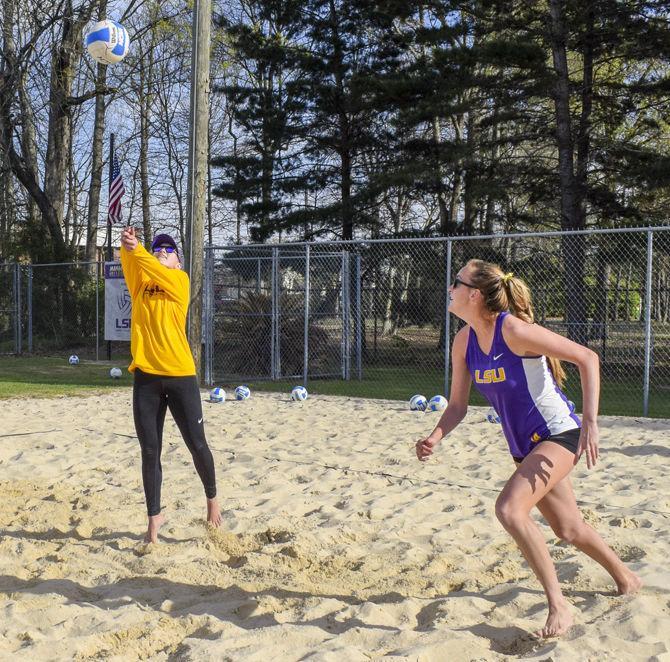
column 568, row 439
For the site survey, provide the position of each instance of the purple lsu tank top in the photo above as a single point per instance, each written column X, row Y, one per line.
column 522, row 390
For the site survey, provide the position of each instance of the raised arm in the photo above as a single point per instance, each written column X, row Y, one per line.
column 139, row 265
column 458, row 397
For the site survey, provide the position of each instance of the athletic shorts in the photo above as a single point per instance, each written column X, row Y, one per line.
column 568, row 439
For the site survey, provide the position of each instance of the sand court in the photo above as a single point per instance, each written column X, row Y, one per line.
column 336, row 543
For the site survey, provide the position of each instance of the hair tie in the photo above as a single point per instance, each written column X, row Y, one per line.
column 507, row 277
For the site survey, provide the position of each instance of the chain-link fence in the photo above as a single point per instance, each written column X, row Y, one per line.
column 375, row 312
column 55, row 309
column 370, row 317
column 10, row 303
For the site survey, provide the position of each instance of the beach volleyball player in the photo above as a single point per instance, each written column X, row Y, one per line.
column 163, row 367
column 507, row 356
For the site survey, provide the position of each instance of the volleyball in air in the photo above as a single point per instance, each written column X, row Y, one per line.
column 107, row 42
column 571, row 404
column 73, row 360
column 217, row 395
column 298, row 393
column 418, row 403
column 437, row 403
column 115, row 373
column 492, row 416
column 242, row 392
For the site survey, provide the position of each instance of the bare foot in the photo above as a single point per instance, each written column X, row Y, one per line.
column 631, row 584
column 213, row 513
column 155, row 523
column 558, row 622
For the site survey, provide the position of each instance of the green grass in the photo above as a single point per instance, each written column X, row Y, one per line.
column 617, row 399
column 51, row 377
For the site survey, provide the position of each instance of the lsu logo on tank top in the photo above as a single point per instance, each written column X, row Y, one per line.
column 521, row 389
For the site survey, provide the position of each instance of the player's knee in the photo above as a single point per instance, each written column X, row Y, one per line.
column 509, row 514
column 569, row 531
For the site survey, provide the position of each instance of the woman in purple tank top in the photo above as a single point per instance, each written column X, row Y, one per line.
column 515, row 364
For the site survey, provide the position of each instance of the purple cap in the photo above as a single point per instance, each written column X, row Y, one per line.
column 163, row 240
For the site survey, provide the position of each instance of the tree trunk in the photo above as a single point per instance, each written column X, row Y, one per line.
column 571, row 214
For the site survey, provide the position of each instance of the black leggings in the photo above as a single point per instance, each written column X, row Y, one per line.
column 152, row 395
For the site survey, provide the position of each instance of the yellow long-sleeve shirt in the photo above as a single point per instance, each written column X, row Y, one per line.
column 160, row 298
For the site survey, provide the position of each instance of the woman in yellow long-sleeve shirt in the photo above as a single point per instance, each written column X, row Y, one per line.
column 163, row 367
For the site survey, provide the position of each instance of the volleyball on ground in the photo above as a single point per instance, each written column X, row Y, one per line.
column 492, row 416
column 242, row 392
column 107, row 42
column 115, row 373
column 298, row 393
column 73, row 360
column 437, row 403
column 217, row 395
column 418, row 403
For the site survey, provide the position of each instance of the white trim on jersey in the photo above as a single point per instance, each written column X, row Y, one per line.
column 548, row 401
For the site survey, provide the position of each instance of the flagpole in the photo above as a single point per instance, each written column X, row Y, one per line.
column 110, row 254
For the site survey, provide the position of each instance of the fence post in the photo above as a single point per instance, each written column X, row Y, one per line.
column 208, row 314
column 447, row 327
column 97, row 310
column 29, row 303
column 359, row 321
column 647, row 324
column 345, row 316
column 19, row 326
column 273, row 324
column 305, row 360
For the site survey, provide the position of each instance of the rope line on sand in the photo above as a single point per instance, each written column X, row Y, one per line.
column 23, row 434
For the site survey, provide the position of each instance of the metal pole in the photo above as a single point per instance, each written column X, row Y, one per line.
column 359, row 322
column 209, row 314
column 15, row 301
column 19, row 330
column 347, row 335
column 97, row 310
column 273, row 323
column 258, row 277
column 305, row 368
column 647, row 325
column 110, row 253
column 447, row 320
column 30, row 308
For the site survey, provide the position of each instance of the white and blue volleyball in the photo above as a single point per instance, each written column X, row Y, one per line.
column 242, row 392
column 217, row 395
column 73, row 360
column 571, row 404
column 115, row 373
column 492, row 416
column 298, row 393
column 107, row 42
column 437, row 403
column 418, row 402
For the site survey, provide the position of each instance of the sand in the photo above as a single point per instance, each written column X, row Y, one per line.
column 336, row 543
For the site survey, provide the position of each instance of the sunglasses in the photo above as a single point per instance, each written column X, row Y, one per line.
column 167, row 249
column 458, row 281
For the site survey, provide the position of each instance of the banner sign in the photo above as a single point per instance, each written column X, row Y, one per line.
column 117, row 303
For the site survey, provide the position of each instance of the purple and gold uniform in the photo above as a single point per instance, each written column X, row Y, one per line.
column 522, row 390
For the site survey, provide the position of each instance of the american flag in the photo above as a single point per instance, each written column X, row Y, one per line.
column 116, row 191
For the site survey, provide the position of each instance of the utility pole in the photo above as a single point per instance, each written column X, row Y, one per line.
column 198, row 158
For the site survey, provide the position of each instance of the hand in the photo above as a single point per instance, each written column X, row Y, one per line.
column 588, row 443
column 128, row 239
column 424, row 448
